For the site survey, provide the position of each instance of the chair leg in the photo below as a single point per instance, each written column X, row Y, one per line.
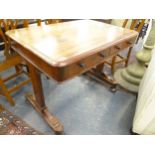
column 6, row 92
column 113, row 64
column 128, row 56
column 18, row 68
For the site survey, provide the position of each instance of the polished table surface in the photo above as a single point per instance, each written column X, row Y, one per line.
column 65, row 50
column 64, row 43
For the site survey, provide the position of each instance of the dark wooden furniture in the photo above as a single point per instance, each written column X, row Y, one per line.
column 65, row 50
column 11, row 60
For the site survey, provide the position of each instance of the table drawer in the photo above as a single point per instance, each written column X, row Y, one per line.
column 83, row 65
column 117, row 48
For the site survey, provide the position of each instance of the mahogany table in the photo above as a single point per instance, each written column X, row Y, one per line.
column 65, row 50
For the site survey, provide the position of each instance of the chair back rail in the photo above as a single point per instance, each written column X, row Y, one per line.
column 134, row 24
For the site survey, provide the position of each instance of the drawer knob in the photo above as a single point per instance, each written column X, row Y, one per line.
column 129, row 42
column 82, row 64
column 117, row 47
column 102, row 55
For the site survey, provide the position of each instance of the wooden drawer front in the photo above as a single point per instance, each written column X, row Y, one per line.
column 123, row 45
column 117, row 48
column 83, row 65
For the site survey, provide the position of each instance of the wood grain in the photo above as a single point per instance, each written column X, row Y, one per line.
column 64, row 43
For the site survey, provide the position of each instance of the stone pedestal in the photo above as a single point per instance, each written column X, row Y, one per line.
column 130, row 77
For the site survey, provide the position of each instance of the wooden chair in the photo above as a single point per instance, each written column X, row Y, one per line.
column 52, row 21
column 119, row 59
column 11, row 60
column 26, row 22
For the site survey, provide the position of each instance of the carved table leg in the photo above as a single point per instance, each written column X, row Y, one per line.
column 38, row 102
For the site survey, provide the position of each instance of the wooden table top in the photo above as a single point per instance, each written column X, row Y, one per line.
column 64, row 43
